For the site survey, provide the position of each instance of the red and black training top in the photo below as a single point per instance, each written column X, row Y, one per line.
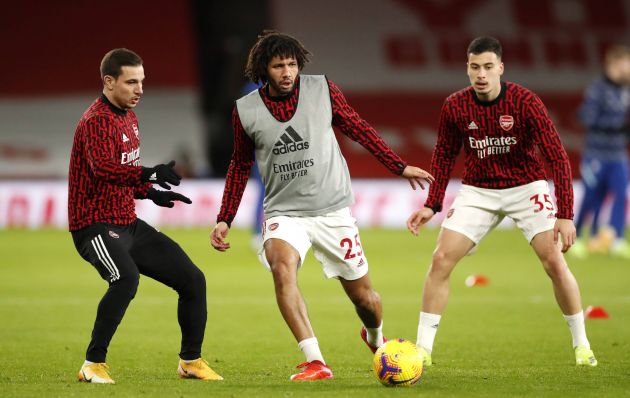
column 501, row 139
column 282, row 108
column 104, row 167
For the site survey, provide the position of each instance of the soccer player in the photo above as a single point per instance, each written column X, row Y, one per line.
column 500, row 125
column 287, row 124
column 105, row 178
column 604, row 165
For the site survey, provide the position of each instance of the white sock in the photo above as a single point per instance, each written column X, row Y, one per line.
column 86, row 363
column 310, row 348
column 189, row 360
column 578, row 330
column 375, row 335
column 427, row 328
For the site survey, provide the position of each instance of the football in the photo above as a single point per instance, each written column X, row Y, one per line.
column 397, row 363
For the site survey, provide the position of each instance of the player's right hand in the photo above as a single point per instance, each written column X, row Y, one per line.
column 218, row 235
column 162, row 174
column 418, row 218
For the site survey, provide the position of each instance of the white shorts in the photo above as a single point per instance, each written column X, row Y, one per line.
column 476, row 211
column 334, row 237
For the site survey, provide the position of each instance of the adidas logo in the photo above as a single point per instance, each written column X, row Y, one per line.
column 125, row 138
column 153, row 177
column 290, row 141
column 473, row 126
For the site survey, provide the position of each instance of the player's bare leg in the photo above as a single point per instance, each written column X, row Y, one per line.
column 567, row 293
column 565, row 287
column 366, row 300
column 367, row 303
column 451, row 247
column 284, row 260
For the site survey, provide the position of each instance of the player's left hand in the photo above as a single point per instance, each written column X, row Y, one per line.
column 166, row 198
column 415, row 175
column 564, row 229
column 162, row 174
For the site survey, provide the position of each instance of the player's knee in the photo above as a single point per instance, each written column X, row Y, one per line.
column 555, row 267
column 365, row 298
column 282, row 271
column 192, row 283
column 376, row 297
column 373, row 300
column 439, row 256
column 199, row 283
column 128, row 283
column 196, row 277
column 441, row 262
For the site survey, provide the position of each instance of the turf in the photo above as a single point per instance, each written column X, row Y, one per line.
column 507, row 339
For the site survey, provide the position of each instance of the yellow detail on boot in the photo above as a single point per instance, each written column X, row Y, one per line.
column 198, row 369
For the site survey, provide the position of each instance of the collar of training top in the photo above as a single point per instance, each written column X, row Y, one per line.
column 494, row 101
column 114, row 108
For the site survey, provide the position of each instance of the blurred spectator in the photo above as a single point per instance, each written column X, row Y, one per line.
column 604, row 165
column 185, row 166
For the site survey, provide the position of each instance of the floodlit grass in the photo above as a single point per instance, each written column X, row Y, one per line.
column 507, row 339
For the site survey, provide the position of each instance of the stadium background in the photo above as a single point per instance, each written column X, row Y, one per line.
column 395, row 60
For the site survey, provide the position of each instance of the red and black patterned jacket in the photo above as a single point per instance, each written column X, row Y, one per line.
column 501, row 140
column 105, row 167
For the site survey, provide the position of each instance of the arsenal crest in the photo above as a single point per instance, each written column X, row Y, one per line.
column 506, row 122
column 273, row 226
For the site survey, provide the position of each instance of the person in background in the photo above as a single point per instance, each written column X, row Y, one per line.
column 604, row 166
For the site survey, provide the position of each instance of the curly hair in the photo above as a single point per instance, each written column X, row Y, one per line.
column 271, row 44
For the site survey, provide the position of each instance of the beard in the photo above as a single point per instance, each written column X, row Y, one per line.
column 279, row 89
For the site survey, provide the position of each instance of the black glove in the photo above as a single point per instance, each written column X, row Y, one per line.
column 166, row 198
column 162, row 174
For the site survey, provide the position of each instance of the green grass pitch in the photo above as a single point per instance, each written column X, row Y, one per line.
column 507, row 339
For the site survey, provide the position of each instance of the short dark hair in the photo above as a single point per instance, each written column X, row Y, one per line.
column 616, row 52
column 273, row 44
column 114, row 60
column 485, row 44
